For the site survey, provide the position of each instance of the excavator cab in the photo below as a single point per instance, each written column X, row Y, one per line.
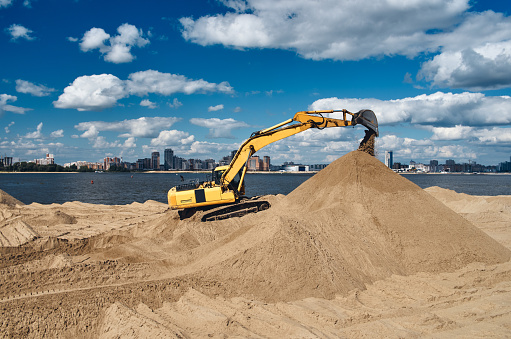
column 217, row 174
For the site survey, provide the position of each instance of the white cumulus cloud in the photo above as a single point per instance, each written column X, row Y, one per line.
column 5, row 3
column 175, row 103
column 480, row 68
column 116, row 49
column 215, row 108
column 473, row 46
column 451, row 133
column 143, row 127
column 37, row 134
column 219, row 128
column 24, row 86
column 98, row 92
column 7, row 128
column 172, row 138
column 148, row 103
column 92, row 93
column 438, row 109
column 4, row 107
column 19, row 32
column 57, row 134
column 150, row 81
column 328, row 29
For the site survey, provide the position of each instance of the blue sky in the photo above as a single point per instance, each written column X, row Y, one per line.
column 87, row 79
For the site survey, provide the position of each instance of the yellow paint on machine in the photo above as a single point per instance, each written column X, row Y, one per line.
column 188, row 198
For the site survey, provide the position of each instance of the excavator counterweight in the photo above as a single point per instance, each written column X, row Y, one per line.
column 224, row 196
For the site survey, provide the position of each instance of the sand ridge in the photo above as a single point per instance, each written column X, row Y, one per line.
column 357, row 250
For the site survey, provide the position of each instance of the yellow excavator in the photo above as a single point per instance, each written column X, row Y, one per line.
column 224, row 195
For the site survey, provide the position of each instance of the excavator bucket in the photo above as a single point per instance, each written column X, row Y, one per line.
column 367, row 118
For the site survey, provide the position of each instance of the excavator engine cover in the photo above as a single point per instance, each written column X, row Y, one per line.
column 367, row 118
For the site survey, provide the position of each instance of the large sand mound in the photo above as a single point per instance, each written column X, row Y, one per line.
column 353, row 223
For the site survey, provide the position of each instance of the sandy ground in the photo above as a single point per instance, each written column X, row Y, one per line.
column 356, row 251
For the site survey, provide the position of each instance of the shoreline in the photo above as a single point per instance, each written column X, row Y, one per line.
column 1, row 172
column 248, row 173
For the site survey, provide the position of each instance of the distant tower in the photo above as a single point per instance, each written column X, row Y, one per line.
column 266, row 163
column 155, row 160
column 168, row 159
column 389, row 159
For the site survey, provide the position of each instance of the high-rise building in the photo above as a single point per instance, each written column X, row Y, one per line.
column 389, row 159
column 209, row 164
column 433, row 166
column 155, row 160
column 227, row 159
column 168, row 159
column 148, row 163
column 253, row 163
column 266, row 163
column 178, row 163
column 450, row 165
column 6, row 161
column 108, row 162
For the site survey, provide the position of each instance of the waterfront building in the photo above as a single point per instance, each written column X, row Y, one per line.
column 291, row 167
column 108, row 162
column 253, row 163
column 209, row 164
column 433, row 166
column 266, row 163
column 504, row 166
column 155, row 161
column 49, row 160
column 450, row 166
column 168, row 159
column 317, row 167
column 139, row 164
column 389, row 158
column 6, row 161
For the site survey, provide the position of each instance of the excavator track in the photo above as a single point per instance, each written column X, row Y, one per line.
column 235, row 210
column 238, row 209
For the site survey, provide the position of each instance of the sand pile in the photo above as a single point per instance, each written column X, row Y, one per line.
column 491, row 213
column 13, row 230
column 353, row 223
column 6, row 199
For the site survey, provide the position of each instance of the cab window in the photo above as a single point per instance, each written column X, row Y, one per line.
column 217, row 175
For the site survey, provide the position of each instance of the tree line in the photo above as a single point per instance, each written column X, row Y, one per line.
column 33, row 167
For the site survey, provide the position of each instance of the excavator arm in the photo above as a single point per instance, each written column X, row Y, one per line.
column 302, row 121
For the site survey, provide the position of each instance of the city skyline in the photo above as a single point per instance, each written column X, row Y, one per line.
column 258, row 162
column 126, row 79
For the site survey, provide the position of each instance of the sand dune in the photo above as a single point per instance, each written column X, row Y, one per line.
column 356, row 251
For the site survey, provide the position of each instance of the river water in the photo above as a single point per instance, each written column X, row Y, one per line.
column 125, row 188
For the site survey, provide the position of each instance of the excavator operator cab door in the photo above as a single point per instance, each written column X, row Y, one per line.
column 217, row 175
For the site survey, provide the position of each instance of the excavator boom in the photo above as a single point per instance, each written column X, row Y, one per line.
column 302, row 121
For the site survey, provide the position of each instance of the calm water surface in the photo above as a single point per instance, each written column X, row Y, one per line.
column 125, row 188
